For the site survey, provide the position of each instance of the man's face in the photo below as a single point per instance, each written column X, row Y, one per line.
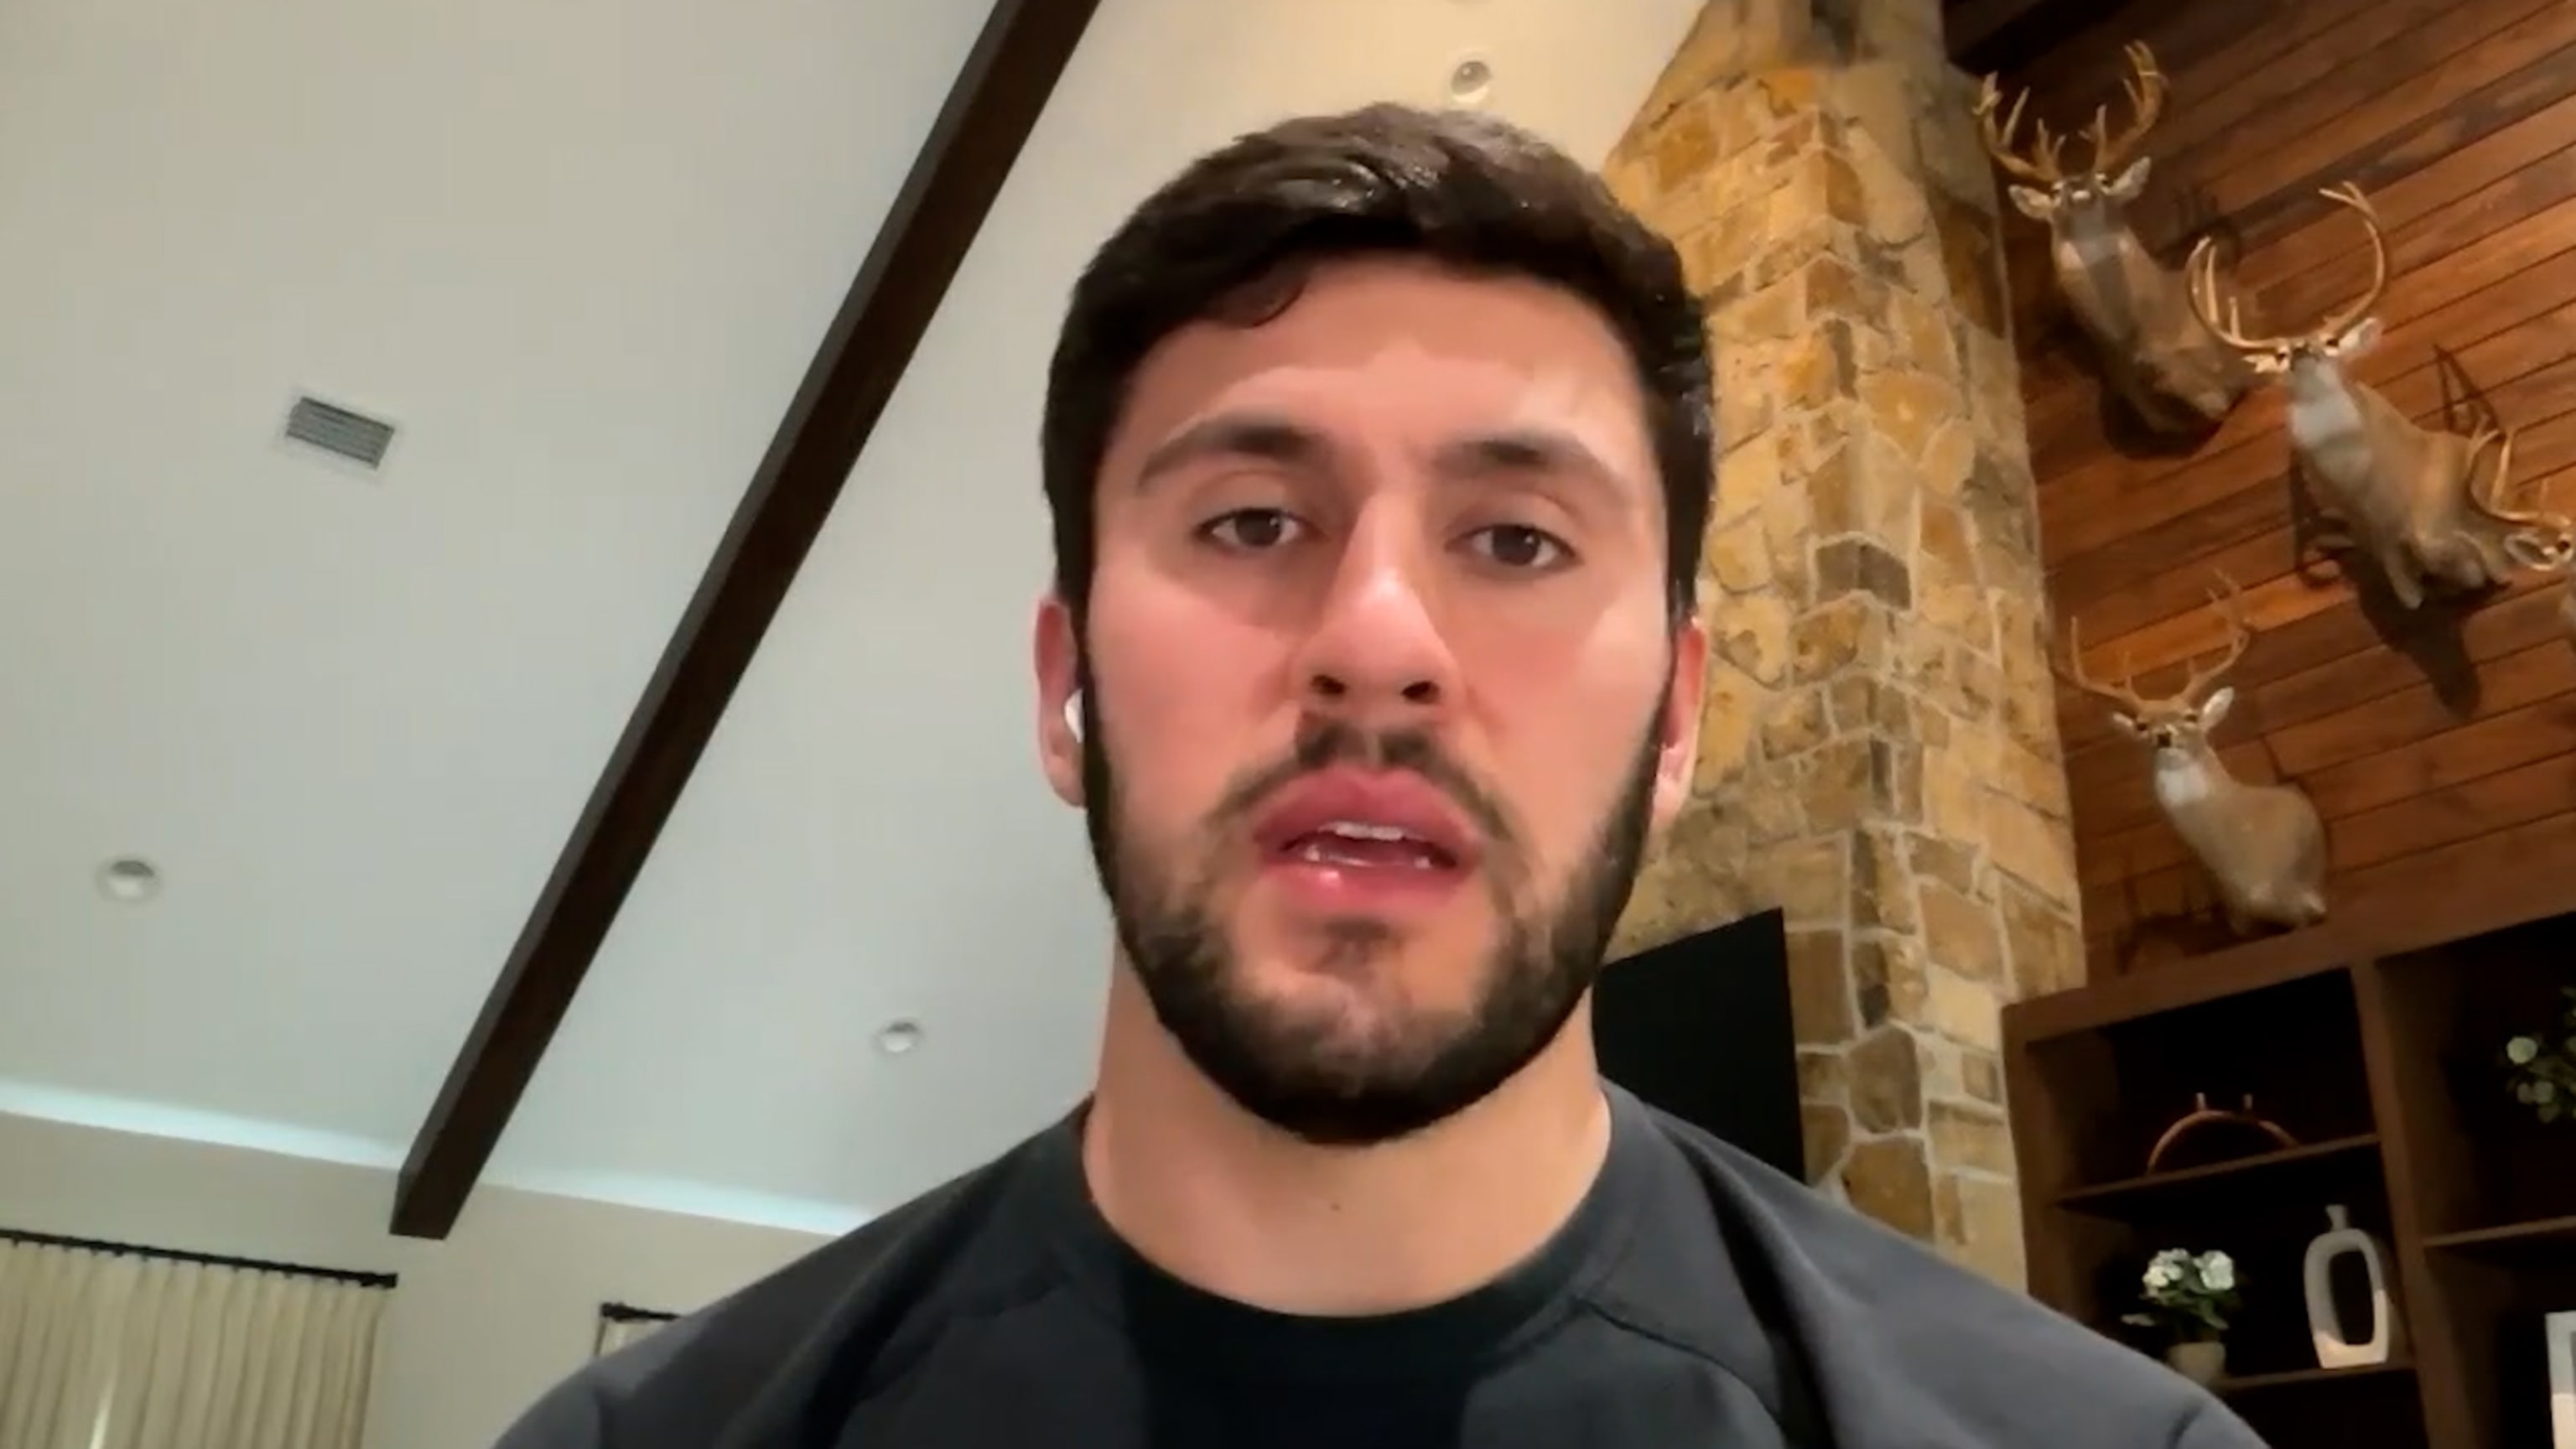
column 1382, row 691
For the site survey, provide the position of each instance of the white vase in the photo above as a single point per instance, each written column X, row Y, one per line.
column 2202, row 1361
column 2559, row 1330
column 2325, row 1325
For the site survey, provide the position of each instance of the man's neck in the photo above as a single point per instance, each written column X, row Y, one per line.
column 1232, row 1205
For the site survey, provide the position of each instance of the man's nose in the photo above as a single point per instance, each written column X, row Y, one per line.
column 1376, row 656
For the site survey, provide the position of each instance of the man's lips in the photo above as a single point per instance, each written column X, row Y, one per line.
column 1366, row 819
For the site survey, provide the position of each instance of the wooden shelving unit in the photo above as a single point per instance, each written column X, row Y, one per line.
column 2382, row 1065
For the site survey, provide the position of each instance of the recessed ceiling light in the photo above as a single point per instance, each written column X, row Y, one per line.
column 129, row 879
column 1471, row 80
column 898, row 1037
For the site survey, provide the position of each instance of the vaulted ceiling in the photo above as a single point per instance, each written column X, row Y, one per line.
column 582, row 255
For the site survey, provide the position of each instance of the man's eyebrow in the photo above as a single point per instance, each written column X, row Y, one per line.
column 1268, row 438
column 1249, row 436
column 1528, row 450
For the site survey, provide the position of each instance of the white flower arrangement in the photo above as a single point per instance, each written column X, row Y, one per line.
column 2542, row 1071
column 2188, row 1294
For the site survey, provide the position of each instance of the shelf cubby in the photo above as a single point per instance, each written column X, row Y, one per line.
column 2383, row 1070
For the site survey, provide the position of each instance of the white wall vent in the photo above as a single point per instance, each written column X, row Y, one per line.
column 335, row 429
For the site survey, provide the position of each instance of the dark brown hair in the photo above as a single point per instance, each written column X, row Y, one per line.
column 1230, row 236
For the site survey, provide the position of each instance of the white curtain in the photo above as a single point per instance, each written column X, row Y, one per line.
column 112, row 1350
column 618, row 1327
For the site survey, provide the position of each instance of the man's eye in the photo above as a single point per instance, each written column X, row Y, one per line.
column 1251, row 529
column 1519, row 546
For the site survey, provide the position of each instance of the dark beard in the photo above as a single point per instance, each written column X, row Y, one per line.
column 1302, row 1075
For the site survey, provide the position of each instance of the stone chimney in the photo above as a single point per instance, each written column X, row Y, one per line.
column 1878, row 750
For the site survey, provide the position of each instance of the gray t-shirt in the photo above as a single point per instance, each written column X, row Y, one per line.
column 1696, row 1298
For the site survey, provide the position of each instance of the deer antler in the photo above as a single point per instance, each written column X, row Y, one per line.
column 2218, row 308
column 2146, row 89
column 2229, row 600
column 2041, row 166
column 2493, row 499
column 2349, row 196
column 2123, row 694
column 2221, row 310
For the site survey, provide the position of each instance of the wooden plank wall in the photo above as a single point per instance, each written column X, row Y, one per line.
column 2441, row 747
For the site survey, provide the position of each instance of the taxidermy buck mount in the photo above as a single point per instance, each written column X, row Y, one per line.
column 2263, row 845
column 2416, row 500
column 2547, row 546
column 2553, row 554
column 2156, row 351
column 2560, row 559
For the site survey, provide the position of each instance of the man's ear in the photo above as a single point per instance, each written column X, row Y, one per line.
column 1677, row 742
column 1058, row 655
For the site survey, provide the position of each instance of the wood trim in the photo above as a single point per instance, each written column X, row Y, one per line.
column 990, row 111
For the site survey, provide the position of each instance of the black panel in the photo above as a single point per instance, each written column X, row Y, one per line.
column 1700, row 1028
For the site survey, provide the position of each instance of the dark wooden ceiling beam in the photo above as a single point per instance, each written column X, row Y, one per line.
column 987, row 118
column 2000, row 37
column 1969, row 24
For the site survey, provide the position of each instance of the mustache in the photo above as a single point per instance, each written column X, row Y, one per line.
column 1322, row 744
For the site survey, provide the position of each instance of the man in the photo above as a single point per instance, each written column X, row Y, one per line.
column 1378, row 449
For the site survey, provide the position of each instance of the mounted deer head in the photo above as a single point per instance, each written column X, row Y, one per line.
column 2263, row 845
column 2421, row 502
column 2155, row 350
column 2547, row 545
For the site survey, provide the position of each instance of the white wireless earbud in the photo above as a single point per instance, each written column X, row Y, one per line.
column 1073, row 714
